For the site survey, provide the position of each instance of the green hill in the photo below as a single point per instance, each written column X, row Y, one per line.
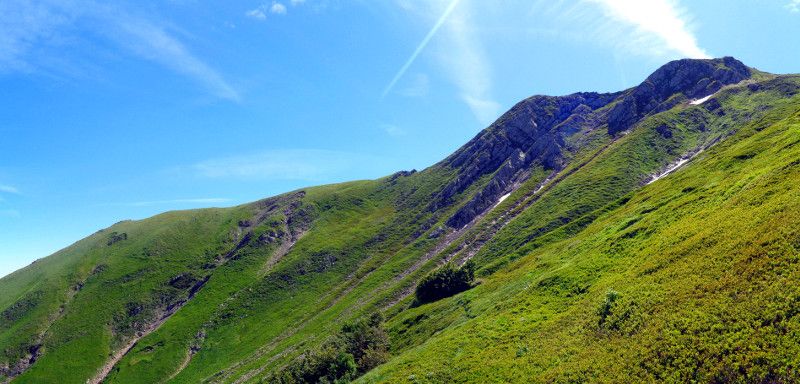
column 652, row 233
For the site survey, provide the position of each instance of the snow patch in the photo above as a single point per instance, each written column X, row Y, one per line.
column 701, row 101
column 543, row 184
column 669, row 169
column 502, row 198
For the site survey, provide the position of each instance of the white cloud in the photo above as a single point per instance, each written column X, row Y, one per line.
column 659, row 25
column 153, row 43
column 9, row 189
column 421, row 46
column 485, row 110
column 793, row 6
column 468, row 65
column 257, row 14
column 287, row 164
column 278, row 9
column 36, row 36
column 275, row 7
column 460, row 52
column 23, row 25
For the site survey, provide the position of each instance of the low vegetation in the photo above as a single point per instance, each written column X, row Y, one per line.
column 445, row 282
column 593, row 276
column 354, row 350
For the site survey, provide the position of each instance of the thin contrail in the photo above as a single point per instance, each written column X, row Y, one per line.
column 420, row 47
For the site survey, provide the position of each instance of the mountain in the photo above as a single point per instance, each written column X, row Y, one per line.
column 652, row 233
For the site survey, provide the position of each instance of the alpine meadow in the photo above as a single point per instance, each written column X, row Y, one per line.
column 646, row 235
column 592, row 257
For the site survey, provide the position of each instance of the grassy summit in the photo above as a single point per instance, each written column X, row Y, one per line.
column 587, row 271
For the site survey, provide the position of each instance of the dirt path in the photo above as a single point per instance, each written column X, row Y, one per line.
column 183, row 365
column 119, row 354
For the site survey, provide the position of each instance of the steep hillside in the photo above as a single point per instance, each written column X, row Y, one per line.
column 647, row 233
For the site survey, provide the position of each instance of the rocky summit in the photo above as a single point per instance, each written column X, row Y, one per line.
column 651, row 233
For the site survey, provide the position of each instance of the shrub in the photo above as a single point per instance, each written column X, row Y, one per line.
column 605, row 309
column 357, row 348
column 367, row 341
column 445, row 281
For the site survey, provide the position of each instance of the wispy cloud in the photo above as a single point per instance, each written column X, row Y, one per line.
column 469, row 67
column 9, row 189
column 24, row 25
column 8, row 212
column 288, row 164
column 460, row 52
column 276, row 8
column 153, row 43
column 793, row 6
column 257, row 14
column 421, row 46
column 35, row 36
column 658, row 26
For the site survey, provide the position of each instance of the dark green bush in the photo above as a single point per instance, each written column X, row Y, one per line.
column 357, row 348
column 445, row 281
column 604, row 311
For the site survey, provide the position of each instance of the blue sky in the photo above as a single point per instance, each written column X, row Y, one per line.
column 124, row 109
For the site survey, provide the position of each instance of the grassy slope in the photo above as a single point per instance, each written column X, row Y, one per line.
column 704, row 262
column 360, row 249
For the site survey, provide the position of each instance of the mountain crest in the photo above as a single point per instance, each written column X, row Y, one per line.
column 662, row 90
column 535, row 130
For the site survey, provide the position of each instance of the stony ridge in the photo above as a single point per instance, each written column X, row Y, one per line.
column 535, row 129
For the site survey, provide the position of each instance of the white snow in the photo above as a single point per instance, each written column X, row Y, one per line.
column 542, row 184
column 669, row 170
column 503, row 197
column 701, row 101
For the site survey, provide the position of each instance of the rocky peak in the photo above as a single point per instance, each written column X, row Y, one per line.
column 532, row 131
column 691, row 78
column 535, row 129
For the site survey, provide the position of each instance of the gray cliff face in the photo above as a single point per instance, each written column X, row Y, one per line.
column 534, row 130
column 689, row 78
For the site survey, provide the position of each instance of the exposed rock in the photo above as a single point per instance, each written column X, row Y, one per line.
column 533, row 131
column 436, row 232
column 115, row 237
column 182, row 281
column 400, row 174
column 690, row 78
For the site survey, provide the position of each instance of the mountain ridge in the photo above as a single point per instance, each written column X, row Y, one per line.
column 240, row 292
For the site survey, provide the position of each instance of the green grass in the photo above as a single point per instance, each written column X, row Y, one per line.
column 702, row 262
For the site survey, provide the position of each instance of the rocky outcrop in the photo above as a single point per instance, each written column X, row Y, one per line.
column 533, row 131
column 675, row 81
